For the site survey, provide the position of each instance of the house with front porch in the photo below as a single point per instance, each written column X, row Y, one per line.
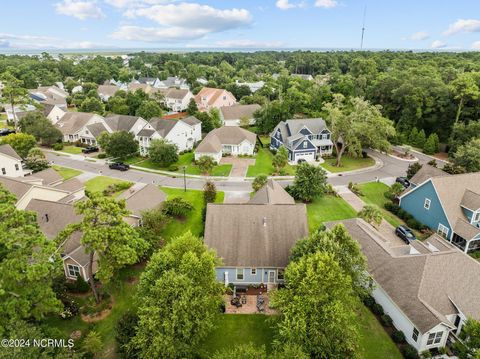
column 254, row 239
column 74, row 126
column 448, row 205
column 429, row 288
column 305, row 139
column 227, row 140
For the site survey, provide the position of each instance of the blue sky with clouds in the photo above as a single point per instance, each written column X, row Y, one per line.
column 405, row 24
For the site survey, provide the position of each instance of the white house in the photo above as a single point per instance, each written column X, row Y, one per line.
column 11, row 163
column 233, row 115
column 152, row 81
column 227, row 140
column 73, row 126
column 107, row 91
column 177, row 99
column 253, row 86
column 173, row 81
column 53, row 112
column 184, row 133
column 428, row 288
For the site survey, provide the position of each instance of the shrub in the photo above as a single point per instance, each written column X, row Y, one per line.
column 364, row 154
column 330, row 190
column 377, row 309
column 355, row 188
column 259, row 182
column 401, row 213
column 102, row 155
column 116, row 187
column 386, row 320
column 78, row 286
column 426, row 354
column 124, row 332
column 163, row 153
column 369, row 301
column 413, row 223
column 409, row 352
column 58, row 146
column 173, row 168
column 398, row 337
column 177, row 207
column 392, row 207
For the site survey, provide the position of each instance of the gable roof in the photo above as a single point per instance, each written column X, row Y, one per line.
column 191, row 120
column 49, row 176
column 236, row 112
column 177, row 94
column 15, row 186
column 9, row 151
column 71, row 185
column 227, row 135
column 254, row 235
column 147, row 197
column 471, row 199
column 425, row 173
column 211, row 94
column 121, row 122
column 316, row 125
column 425, row 286
column 162, row 126
column 72, row 122
column 108, row 90
column 96, row 129
column 272, row 193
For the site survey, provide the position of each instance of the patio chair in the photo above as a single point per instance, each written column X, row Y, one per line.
column 244, row 299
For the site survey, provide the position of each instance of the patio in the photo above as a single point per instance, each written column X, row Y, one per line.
column 248, row 304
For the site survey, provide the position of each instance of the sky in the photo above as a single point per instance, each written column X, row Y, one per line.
column 234, row 24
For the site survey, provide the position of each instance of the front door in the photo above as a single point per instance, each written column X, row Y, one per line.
column 271, row 276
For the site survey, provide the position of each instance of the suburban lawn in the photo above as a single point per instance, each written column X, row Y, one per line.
column 263, row 165
column 73, row 150
column 98, row 184
column 193, row 222
column 122, row 290
column 185, row 159
column 328, row 208
column 65, row 172
column 373, row 193
column 348, row 163
column 245, row 328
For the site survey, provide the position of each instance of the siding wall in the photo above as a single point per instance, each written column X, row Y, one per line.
column 248, row 278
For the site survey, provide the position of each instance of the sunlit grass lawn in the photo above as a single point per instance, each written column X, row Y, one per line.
column 328, row 208
column 65, row 172
column 193, row 222
column 263, row 165
column 373, row 193
column 348, row 163
column 73, row 150
column 100, row 183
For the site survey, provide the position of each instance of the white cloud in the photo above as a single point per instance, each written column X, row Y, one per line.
column 134, row 3
column 80, row 9
column 284, row 4
column 463, row 25
column 419, row 36
column 437, row 44
column 326, row 4
column 183, row 21
column 43, row 42
column 244, row 43
column 476, row 45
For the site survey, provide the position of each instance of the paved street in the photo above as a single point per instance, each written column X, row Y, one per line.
column 390, row 167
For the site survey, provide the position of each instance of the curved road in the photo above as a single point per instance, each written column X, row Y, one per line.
column 390, row 167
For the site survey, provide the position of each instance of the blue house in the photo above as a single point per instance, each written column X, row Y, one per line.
column 447, row 204
column 305, row 139
column 254, row 239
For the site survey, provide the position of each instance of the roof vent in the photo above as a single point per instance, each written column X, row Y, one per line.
column 46, row 217
column 264, row 221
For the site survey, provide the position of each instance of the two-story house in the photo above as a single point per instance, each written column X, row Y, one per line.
column 209, row 98
column 305, row 139
column 254, row 239
column 184, row 133
column 77, row 126
column 447, row 204
column 11, row 164
column 177, row 100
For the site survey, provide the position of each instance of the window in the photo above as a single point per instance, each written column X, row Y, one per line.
column 415, row 334
column 476, row 217
column 305, row 144
column 434, row 338
column 73, row 270
column 324, row 137
column 17, row 167
column 426, row 204
column 239, row 273
column 4, row 172
column 253, row 271
column 442, row 230
column 280, row 274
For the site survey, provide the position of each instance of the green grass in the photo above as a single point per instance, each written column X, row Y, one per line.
column 374, row 340
column 193, row 222
column 328, row 208
column 65, row 172
column 98, row 184
column 122, row 292
column 348, row 164
column 73, row 150
column 373, row 193
column 263, row 165
column 235, row 329
column 186, row 160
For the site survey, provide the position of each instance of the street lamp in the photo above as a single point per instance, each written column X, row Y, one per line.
column 184, row 179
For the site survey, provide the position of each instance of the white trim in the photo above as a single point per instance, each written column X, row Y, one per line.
column 426, row 203
column 444, row 230
column 237, row 272
column 252, row 270
column 268, row 278
column 74, row 268
column 475, row 214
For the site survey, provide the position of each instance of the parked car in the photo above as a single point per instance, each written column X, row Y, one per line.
column 6, row 131
column 405, row 234
column 403, row 181
column 120, row 166
column 90, row 149
column 301, row 160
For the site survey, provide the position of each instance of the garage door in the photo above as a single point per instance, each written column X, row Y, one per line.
column 307, row 156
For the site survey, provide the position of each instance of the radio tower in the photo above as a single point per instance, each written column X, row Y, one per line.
column 363, row 26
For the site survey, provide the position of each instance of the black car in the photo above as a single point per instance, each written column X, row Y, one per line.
column 119, row 166
column 403, row 181
column 90, row 149
column 6, row 131
column 301, row 160
column 405, row 234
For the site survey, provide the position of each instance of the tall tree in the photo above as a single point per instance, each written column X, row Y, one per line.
column 163, row 152
column 28, row 264
column 13, row 93
column 280, row 160
column 465, row 87
column 22, row 143
column 121, row 145
column 470, row 345
column 468, row 156
column 37, row 125
column 106, row 237
column 149, row 110
column 184, row 270
column 91, row 104
column 310, row 182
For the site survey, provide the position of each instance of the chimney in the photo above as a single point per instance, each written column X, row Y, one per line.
column 264, row 221
column 46, row 217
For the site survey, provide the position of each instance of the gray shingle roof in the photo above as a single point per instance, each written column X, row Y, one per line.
column 254, row 235
column 71, row 185
column 96, row 129
column 236, row 112
column 72, row 122
column 108, row 90
column 227, row 135
column 471, row 199
column 425, row 173
column 121, row 122
column 191, row 120
column 15, row 186
column 49, row 176
column 177, row 94
column 146, row 198
column 272, row 193
column 9, row 151
column 162, row 126
column 145, row 132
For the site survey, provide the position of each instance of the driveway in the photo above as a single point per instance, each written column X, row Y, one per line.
column 239, row 165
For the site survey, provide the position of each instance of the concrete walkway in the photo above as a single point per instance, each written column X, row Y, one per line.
column 239, row 165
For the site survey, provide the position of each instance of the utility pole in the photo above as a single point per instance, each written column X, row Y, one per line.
column 184, row 179
column 363, row 26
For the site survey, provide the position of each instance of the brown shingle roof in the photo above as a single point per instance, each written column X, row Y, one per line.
column 71, row 185
column 9, row 151
column 147, row 197
column 272, row 193
column 15, row 186
column 471, row 199
column 227, row 135
column 49, row 176
column 425, row 173
column 72, row 122
column 177, row 94
column 254, row 235
column 236, row 112
column 108, row 90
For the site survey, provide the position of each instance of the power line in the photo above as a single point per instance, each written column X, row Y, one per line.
column 363, row 26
